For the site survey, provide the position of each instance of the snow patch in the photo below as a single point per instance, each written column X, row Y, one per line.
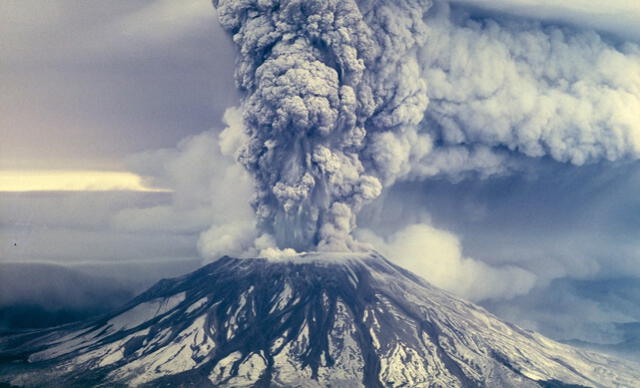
column 201, row 302
column 222, row 371
column 144, row 312
column 249, row 371
column 282, row 299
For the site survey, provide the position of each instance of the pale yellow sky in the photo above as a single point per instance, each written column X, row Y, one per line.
column 72, row 180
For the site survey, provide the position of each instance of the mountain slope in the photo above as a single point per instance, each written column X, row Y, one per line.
column 317, row 320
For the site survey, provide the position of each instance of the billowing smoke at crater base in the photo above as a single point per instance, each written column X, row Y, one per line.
column 344, row 98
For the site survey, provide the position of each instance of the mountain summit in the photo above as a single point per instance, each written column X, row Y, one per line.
column 315, row 320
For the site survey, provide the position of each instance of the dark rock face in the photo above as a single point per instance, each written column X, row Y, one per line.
column 316, row 320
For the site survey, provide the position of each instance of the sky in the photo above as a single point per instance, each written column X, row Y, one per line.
column 84, row 85
column 117, row 146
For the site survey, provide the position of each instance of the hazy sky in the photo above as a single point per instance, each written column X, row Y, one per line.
column 140, row 87
column 85, row 84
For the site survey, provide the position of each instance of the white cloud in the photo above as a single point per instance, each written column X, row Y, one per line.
column 232, row 238
column 209, row 186
column 437, row 256
column 211, row 193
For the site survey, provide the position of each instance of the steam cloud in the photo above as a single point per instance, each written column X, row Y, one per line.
column 346, row 97
column 437, row 256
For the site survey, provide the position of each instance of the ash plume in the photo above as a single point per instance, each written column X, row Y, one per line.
column 346, row 97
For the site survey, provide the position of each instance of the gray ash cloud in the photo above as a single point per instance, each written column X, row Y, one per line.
column 345, row 98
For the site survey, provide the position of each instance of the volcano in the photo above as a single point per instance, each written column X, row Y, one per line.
column 313, row 320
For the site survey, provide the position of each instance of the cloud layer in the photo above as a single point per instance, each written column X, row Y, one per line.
column 618, row 17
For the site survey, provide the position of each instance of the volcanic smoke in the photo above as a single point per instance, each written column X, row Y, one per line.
column 343, row 98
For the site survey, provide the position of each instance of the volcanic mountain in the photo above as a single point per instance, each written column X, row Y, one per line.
column 314, row 320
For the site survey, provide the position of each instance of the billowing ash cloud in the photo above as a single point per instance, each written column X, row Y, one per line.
column 345, row 97
column 303, row 65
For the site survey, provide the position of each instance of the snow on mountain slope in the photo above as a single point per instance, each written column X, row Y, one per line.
column 315, row 320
